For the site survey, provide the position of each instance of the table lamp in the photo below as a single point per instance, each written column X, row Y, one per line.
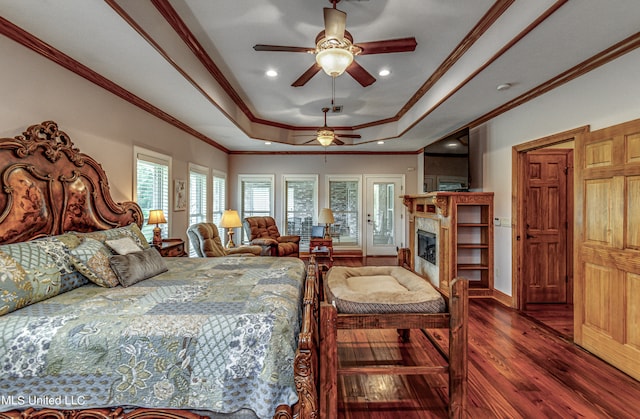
column 156, row 217
column 230, row 220
column 326, row 217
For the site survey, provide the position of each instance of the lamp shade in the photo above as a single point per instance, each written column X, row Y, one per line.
column 156, row 217
column 325, row 216
column 230, row 219
column 334, row 61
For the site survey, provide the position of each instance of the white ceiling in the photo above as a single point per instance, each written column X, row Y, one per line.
column 132, row 44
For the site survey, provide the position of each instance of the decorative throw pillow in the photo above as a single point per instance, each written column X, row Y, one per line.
column 28, row 274
column 123, row 246
column 137, row 266
column 132, row 231
column 91, row 259
column 57, row 247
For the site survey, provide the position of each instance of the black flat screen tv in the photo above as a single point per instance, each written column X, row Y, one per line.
column 446, row 163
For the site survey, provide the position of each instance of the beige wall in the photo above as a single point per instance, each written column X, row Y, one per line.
column 606, row 96
column 106, row 127
column 99, row 123
column 279, row 165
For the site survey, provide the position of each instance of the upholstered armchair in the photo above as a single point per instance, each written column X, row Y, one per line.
column 263, row 231
column 205, row 240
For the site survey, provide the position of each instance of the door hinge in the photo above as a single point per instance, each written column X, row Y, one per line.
column 566, row 170
column 566, row 279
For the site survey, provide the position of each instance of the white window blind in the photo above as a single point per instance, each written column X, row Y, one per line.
column 256, row 196
column 197, row 194
column 152, row 187
column 219, row 197
column 197, row 197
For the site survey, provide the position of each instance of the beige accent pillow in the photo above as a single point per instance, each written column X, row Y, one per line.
column 123, row 246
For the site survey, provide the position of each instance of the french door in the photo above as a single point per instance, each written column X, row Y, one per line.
column 383, row 217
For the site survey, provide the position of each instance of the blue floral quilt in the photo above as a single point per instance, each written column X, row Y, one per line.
column 215, row 334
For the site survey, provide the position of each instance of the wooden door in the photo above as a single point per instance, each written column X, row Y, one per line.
column 545, row 215
column 607, row 262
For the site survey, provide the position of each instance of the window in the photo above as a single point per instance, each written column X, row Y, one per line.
column 151, row 184
column 197, row 197
column 256, row 196
column 197, row 193
column 344, row 201
column 301, row 205
column 219, row 196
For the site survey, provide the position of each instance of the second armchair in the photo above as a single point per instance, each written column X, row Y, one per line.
column 263, row 231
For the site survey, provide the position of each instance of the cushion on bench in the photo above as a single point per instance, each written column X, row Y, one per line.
column 381, row 289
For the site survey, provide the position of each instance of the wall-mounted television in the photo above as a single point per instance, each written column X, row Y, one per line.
column 446, row 163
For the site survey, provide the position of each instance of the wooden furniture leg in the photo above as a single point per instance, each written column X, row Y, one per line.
column 328, row 361
column 458, row 337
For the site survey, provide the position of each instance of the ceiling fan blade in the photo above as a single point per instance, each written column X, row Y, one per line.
column 280, row 48
column 388, row 46
column 335, row 22
column 361, row 75
column 349, row 135
column 336, row 141
column 304, row 78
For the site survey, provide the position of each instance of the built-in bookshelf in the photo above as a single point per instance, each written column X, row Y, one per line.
column 465, row 236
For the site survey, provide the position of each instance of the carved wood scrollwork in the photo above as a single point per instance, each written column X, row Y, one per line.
column 49, row 187
column 114, row 413
column 442, row 202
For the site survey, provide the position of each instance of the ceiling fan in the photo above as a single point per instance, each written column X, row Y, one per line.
column 326, row 135
column 335, row 49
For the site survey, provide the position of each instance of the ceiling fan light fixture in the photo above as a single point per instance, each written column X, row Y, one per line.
column 325, row 137
column 334, row 61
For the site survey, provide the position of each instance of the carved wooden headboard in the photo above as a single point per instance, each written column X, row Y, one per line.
column 49, row 187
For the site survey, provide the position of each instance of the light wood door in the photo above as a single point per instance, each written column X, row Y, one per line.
column 545, row 243
column 607, row 262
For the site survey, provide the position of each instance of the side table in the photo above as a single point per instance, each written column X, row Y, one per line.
column 322, row 249
column 171, row 248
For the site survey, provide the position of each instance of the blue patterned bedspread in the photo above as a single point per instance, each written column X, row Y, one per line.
column 215, row 334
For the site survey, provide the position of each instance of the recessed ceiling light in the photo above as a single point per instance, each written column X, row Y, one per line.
column 384, row 72
column 504, row 86
column 380, row 142
column 267, row 143
column 271, row 73
column 452, row 144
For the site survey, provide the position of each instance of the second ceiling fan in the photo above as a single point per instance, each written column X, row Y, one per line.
column 326, row 135
column 335, row 49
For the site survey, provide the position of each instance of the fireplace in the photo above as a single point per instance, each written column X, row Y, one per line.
column 427, row 246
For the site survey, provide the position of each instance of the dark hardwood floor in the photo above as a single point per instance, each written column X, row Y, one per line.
column 518, row 368
column 559, row 317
